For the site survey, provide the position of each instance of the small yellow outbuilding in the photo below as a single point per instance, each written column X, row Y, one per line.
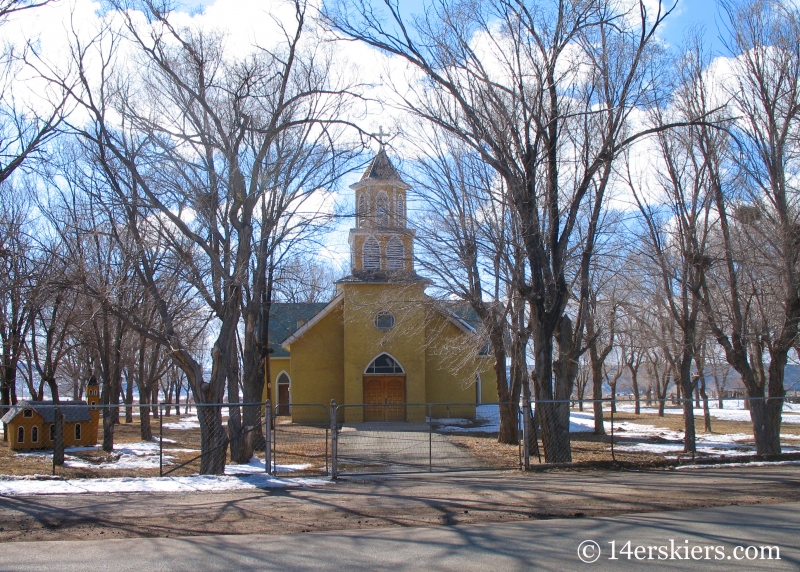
column 30, row 424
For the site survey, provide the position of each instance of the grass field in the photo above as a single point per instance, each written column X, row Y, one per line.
column 303, row 449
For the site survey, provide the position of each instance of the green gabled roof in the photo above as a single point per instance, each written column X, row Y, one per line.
column 285, row 319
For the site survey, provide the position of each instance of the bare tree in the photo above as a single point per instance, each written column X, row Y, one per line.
column 18, row 292
column 463, row 232
column 240, row 145
column 303, row 279
column 677, row 222
column 601, row 320
column 29, row 117
column 753, row 309
column 523, row 103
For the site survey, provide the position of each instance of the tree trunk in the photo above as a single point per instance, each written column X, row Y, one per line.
column 661, row 394
column 613, row 385
column 706, row 411
column 213, row 441
column 129, row 400
column 108, row 416
column 145, row 429
column 554, row 418
column 508, row 411
column 51, row 383
column 766, row 417
column 636, row 397
column 689, row 437
column 58, row 437
column 597, row 396
column 241, row 445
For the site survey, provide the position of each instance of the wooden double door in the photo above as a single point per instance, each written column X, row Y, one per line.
column 387, row 395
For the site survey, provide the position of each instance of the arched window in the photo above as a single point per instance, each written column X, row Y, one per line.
column 284, row 395
column 371, row 254
column 363, row 209
column 384, row 363
column 382, row 209
column 20, row 434
column 395, row 254
column 401, row 210
column 77, row 431
column 34, row 435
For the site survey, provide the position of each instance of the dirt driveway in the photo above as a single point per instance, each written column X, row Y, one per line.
column 408, row 500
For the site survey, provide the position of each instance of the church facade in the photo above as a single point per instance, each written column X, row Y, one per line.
column 381, row 344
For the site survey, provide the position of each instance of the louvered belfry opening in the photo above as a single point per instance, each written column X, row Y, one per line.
column 380, row 243
column 371, row 254
column 395, row 254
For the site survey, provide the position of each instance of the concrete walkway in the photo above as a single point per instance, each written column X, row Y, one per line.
column 394, row 447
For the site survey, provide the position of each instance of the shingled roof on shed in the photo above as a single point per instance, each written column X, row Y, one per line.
column 73, row 411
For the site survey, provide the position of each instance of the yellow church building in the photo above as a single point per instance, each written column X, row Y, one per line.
column 381, row 341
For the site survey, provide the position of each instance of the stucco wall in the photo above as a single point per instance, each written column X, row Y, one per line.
column 364, row 342
column 316, row 367
column 451, row 370
column 485, row 366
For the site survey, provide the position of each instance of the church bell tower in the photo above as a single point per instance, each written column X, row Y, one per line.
column 381, row 246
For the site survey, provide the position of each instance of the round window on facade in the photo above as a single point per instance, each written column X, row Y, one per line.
column 384, row 321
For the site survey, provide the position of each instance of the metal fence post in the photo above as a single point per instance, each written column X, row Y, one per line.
column 526, row 429
column 613, row 456
column 334, row 441
column 268, row 438
column 160, row 441
column 58, row 441
column 430, row 440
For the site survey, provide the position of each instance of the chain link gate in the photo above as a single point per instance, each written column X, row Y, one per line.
column 422, row 437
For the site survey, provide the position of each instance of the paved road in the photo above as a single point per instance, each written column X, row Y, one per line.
column 540, row 545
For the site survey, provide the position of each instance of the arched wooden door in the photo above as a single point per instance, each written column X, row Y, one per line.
column 385, row 390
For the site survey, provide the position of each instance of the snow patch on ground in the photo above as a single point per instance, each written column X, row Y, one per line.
column 707, row 444
column 581, row 422
column 185, row 423
column 43, row 485
column 256, row 465
column 129, row 456
column 733, row 411
column 487, row 418
column 460, row 422
column 750, row 464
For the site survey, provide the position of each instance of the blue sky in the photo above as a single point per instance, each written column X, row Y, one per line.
column 688, row 13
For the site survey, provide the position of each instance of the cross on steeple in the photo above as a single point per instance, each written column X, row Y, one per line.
column 380, row 135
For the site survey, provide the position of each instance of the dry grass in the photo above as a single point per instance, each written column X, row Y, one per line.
column 301, row 444
column 487, row 452
column 308, row 444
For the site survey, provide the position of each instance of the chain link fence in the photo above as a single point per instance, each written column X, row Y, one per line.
column 654, row 431
column 76, row 440
column 300, row 440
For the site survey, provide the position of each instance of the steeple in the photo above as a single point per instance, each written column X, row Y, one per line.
column 380, row 244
